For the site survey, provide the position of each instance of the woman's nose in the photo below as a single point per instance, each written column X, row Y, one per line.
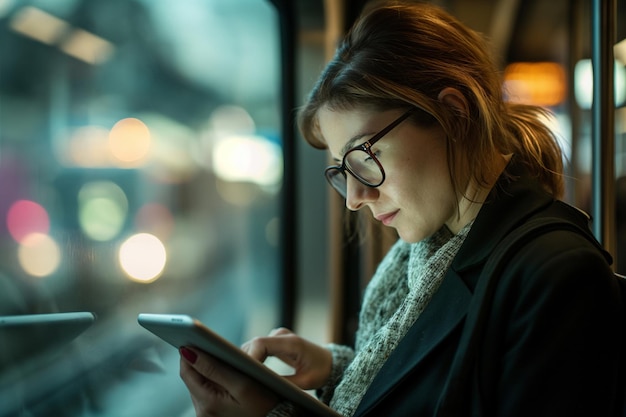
column 357, row 194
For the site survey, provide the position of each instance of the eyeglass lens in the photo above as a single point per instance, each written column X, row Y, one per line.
column 361, row 165
column 337, row 179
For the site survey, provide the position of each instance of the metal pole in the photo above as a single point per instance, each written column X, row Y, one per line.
column 603, row 123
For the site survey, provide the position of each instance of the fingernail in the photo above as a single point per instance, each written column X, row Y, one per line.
column 188, row 354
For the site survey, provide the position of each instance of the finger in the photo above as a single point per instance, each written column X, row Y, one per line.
column 312, row 363
column 190, row 377
column 217, row 388
column 194, row 380
column 260, row 348
column 256, row 347
column 285, row 346
column 280, row 331
column 208, row 371
column 198, row 386
column 208, row 397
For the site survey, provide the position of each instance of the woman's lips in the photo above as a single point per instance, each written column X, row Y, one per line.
column 387, row 218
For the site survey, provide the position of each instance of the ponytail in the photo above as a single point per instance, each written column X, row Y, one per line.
column 536, row 146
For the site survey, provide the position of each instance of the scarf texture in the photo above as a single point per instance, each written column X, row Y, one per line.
column 403, row 285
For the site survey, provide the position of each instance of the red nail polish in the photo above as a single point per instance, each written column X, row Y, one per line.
column 189, row 355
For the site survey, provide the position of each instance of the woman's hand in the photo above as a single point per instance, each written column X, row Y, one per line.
column 312, row 362
column 218, row 390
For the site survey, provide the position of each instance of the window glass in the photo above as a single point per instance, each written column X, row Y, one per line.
column 141, row 170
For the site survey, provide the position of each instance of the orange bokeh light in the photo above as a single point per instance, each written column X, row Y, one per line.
column 129, row 141
column 538, row 83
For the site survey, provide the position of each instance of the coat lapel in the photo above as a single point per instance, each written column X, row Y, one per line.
column 445, row 311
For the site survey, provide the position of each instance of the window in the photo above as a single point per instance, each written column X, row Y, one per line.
column 141, row 171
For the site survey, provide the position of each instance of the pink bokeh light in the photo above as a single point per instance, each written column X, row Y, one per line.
column 25, row 217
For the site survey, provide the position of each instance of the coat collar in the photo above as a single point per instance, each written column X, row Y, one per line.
column 510, row 203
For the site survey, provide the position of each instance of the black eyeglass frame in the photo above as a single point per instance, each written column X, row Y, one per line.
column 335, row 170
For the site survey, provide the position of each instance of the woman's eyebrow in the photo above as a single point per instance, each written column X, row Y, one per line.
column 351, row 143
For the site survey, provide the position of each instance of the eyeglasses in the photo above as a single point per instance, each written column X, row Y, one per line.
column 361, row 163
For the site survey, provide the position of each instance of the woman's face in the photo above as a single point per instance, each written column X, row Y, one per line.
column 417, row 197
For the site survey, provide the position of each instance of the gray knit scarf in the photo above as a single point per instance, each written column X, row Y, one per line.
column 402, row 286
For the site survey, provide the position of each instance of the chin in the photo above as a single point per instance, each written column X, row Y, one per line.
column 411, row 237
column 414, row 235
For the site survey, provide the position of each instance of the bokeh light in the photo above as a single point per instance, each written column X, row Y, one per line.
column 39, row 255
column 25, row 217
column 39, row 25
column 248, row 159
column 583, row 83
column 232, row 119
column 102, row 210
column 143, row 257
column 537, row 83
column 172, row 157
column 129, row 141
column 224, row 122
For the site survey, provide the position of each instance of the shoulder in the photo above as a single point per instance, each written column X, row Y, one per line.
column 562, row 268
column 563, row 253
column 556, row 304
column 561, row 247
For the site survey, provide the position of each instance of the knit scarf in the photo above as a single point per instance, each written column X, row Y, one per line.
column 403, row 285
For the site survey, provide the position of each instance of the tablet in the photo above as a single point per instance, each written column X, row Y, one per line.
column 23, row 337
column 182, row 330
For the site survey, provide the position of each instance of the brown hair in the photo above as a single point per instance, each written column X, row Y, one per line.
column 401, row 55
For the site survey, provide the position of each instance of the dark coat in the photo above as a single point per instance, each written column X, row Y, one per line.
column 551, row 343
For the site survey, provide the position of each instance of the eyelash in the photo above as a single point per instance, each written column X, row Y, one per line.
column 376, row 153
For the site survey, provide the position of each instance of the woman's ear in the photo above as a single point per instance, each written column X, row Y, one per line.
column 453, row 98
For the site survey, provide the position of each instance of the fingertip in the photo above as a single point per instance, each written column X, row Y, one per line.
column 257, row 352
column 189, row 355
column 279, row 331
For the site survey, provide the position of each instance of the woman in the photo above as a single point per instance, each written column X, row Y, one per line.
column 411, row 110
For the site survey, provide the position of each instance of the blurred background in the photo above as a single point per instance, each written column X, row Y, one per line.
column 149, row 163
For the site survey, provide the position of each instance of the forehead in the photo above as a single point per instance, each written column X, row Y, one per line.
column 341, row 127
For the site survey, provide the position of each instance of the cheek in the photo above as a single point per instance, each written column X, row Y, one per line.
column 425, row 185
column 426, row 172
